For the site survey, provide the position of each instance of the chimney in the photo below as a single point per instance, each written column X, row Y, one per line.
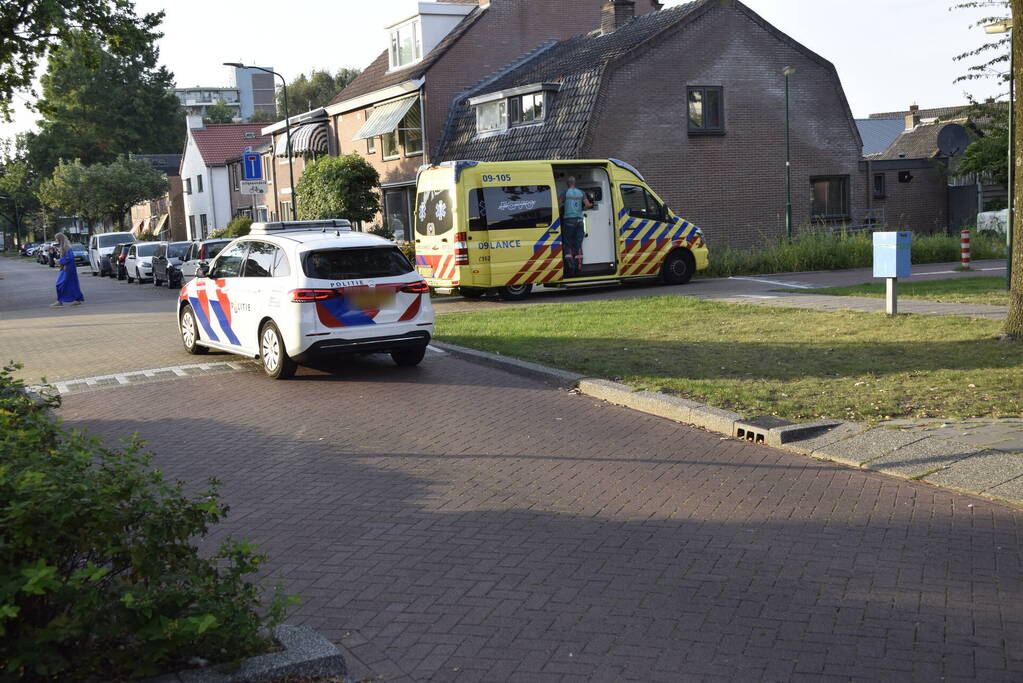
column 913, row 120
column 614, row 13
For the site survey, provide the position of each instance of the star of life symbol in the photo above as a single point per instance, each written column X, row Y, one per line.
column 422, row 210
column 440, row 210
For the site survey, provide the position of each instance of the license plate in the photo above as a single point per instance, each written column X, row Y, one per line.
column 425, row 271
column 371, row 299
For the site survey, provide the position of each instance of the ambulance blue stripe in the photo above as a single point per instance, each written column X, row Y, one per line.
column 625, row 226
column 622, row 213
column 680, row 231
column 224, row 325
column 651, row 231
column 663, row 234
column 639, row 228
column 203, row 320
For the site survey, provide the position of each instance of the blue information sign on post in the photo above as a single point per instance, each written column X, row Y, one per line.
column 252, row 166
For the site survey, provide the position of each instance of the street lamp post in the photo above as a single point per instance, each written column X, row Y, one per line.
column 17, row 220
column 1006, row 27
column 788, row 71
column 287, row 129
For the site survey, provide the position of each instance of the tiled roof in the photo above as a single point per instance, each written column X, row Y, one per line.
column 877, row 134
column 919, row 143
column 578, row 65
column 219, row 142
column 935, row 113
column 376, row 76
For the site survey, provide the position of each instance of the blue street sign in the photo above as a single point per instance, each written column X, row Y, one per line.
column 252, row 166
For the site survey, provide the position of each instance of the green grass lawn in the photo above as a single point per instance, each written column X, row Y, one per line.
column 964, row 290
column 794, row 363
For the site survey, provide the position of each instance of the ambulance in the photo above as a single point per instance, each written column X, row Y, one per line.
column 494, row 228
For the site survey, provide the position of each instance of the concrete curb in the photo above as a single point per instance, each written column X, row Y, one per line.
column 305, row 653
column 940, row 462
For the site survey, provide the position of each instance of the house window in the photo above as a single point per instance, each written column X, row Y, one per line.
column 234, row 177
column 390, row 142
column 203, row 226
column 406, row 46
column 526, row 109
column 266, row 168
column 879, row 188
column 198, row 183
column 829, row 197
column 188, row 186
column 191, row 227
column 491, row 116
column 412, row 132
column 286, row 212
column 371, row 145
column 706, row 110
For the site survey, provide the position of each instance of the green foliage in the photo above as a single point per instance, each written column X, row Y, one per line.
column 99, row 576
column 260, row 116
column 382, row 231
column 821, row 250
column 219, row 113
column 993, row 55
column 148, row 236
column 98, row 104
column 316, row 90
column 339, row 187
column 995, row 205
column 32, row 28
column 102, row 190
column 988, row 155
column 238, row 227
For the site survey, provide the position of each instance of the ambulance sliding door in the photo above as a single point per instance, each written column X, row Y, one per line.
column 513, row 229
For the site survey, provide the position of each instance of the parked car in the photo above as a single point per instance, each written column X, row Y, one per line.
column 292, row 291
column 117, row 258
column 201, row 251
column 28, row 248
column 48, row 254
column 81, row 254
column 100, row 247
column 167, row 263
column 138, row 263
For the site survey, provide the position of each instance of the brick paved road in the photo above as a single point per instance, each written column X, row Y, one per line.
column 457, row 523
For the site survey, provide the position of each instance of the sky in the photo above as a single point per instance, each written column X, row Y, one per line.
column 888, row 53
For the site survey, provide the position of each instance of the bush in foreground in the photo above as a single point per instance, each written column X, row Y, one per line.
column 99, row 576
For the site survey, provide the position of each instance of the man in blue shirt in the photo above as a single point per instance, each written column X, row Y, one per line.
column 574, row 201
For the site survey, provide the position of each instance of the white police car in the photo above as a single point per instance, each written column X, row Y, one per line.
column 295, row 290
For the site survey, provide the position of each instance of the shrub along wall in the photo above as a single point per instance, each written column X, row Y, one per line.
column 99, row 574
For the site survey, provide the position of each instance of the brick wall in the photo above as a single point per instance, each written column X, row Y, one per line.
column 731, row 185
column 919, row 205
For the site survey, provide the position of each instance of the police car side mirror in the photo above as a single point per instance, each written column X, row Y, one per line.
column 203, row 269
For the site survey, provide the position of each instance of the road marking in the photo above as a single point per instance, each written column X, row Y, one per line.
column 436, row 350
column 780, row 283
column 947, row 272
column 81, row 384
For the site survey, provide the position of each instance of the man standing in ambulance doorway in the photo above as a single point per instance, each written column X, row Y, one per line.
column 573, row 202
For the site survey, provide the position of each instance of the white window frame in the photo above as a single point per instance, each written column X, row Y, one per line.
column 395, row 41
column 498, row 107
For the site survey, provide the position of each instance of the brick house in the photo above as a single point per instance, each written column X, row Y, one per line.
column 393, row 113
column 206, row 185
column 164, row 216
column 311, row 138
column 694, row 96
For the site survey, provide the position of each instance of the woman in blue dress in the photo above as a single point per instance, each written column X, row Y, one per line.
column 68, row 290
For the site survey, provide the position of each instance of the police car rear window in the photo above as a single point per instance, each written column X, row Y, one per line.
column 360, row 262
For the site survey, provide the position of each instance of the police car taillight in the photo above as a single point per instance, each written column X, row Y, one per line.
column 416, row 288
column 461, row 249
column 306, row 295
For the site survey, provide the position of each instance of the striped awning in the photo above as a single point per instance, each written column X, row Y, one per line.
column 309, row 138
column 386, row 118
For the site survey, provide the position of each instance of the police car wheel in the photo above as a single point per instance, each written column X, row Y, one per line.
column 276, row 362
column 514, row 292
column 408, row 358
column 190, row 332
column 678, row 268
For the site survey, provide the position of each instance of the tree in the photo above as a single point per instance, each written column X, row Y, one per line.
column 988, row 155
column 101, row 190
column 1014, row 319
column 98, row 104
column 260, row 116
column 219, row 113
column 18, row 187
column 316, row 90
column 339, row 187
column 32, row 28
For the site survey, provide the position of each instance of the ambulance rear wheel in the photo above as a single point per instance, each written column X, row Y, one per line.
column 472, row 292
column 678, row 268
column 514, row 292
column 190, row 332
column 276, row 361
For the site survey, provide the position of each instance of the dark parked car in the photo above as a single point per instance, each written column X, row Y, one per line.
column 167, row 263
column 117, row 260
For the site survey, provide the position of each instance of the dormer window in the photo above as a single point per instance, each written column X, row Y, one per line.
column 406, row 45
column 491, row 116
column 522, row 106
column 526, row 109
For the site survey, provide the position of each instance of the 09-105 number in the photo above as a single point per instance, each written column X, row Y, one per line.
column 499, row 178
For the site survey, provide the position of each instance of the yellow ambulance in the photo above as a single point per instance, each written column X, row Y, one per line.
column 494, row 227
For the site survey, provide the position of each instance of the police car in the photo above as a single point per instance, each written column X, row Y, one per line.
column 291, row 291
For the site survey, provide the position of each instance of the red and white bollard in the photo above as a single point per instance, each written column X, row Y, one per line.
column 964, row 243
